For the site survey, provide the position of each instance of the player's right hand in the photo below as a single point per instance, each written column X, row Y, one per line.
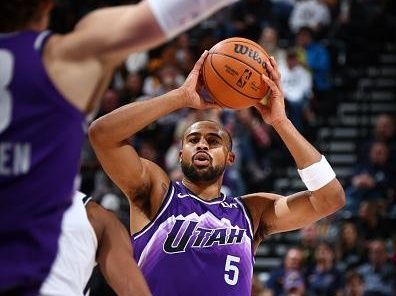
column 189, row 88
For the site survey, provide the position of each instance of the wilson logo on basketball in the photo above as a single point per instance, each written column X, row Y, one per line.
column 254, row 55
column 244, row 78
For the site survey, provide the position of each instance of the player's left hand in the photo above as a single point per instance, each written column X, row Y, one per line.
column 274, row 111
column 189, row 88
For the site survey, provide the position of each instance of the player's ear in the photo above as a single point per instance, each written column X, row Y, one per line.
column 180, row 155
column 230, row 158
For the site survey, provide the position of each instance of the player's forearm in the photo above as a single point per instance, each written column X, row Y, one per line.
column 126, row 121
column 329, row 196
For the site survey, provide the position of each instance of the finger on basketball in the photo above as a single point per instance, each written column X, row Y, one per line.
column 270, row 82
column 274, row 75
column 199, row 63
column 275, row 67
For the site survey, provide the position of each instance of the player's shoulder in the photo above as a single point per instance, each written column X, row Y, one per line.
column 258, row 203
column 96, row 211
column 64, row 48
column 101, row 218
column 52, row 45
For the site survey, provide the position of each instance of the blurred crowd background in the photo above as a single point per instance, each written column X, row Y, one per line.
column 338, row 64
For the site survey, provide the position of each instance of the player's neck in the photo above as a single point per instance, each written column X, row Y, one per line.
column 203, row 190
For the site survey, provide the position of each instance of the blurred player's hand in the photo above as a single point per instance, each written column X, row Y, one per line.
column 189, row 88
column 274, row 110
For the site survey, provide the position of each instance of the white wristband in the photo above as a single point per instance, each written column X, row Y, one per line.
column 317, row 175
column 176, row 16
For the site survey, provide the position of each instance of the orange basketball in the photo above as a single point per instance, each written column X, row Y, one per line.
column 232, row 72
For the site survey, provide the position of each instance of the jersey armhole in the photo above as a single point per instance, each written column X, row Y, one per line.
column 39, row 45
column 247, row 215
column 249, row 221
column 164, row 205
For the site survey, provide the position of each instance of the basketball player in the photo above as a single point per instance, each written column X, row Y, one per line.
column 47, row 85
column 92, row 235
column 188, row 237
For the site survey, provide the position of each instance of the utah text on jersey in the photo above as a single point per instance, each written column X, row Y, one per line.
column 184, row 232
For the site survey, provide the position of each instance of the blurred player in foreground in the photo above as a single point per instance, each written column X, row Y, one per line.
column 48, row 83
column 92, row 235
column 188, row 237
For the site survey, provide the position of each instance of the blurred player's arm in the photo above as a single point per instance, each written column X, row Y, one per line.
column 110, row 34
column 114, row 254
column 275, row 213
column 81, row 63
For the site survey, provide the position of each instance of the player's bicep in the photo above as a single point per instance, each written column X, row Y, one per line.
column 110, row 34
column 124, row 166
column 291, row 212
column 273, row 213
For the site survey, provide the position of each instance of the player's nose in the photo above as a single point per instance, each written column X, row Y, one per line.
column 202, row 145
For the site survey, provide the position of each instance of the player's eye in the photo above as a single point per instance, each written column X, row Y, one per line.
column 213, row 141
column 193, row 140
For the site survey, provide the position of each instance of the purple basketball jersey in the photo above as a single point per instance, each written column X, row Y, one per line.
column 197, row 247
column 41, row 136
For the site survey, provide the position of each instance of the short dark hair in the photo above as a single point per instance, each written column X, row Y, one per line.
column 16, row 14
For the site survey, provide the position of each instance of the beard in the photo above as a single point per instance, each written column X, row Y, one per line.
column 207, row 174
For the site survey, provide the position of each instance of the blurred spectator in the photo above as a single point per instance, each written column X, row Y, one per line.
column 270, row 42
column 147, row 150
column 251, row 142
column 309, row 240
column 249, row 17
column 393, row 254
column 109, row 102
column 294, row 284
column 370, row 223
column 136, row 62
column 316, row 58
column 328, row 228
column 313, row 14
column 384, row 131
column 89, row 169
column 324, row 278
column 371, row 180
column 289, row 276
column 281, row 10
column 378, row 274
column 257, row 287
column 354, row 284
column 167, row 77
column 297, row 87
column 133, row 88
column 350, row 247
column 184, row 55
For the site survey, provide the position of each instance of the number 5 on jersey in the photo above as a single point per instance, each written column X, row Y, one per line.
column 231, row 270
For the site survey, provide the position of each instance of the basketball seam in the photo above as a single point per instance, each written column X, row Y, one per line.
column 207, row 88
column 218, row 74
